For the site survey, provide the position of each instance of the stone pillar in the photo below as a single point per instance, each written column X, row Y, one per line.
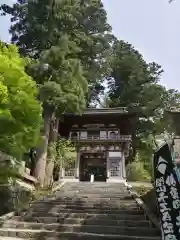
column 106, row 133
column 107, row 164
column 77, row 163
column 62, row 172
column 123, row 165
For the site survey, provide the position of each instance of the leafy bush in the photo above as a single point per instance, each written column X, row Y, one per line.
column 66, row 153
column 136, row 172
column 20, row 111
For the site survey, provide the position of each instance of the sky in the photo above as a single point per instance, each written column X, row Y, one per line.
column 151, row 26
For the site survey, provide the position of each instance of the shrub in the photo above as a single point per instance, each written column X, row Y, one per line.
column 142, row 190
column 136, row 172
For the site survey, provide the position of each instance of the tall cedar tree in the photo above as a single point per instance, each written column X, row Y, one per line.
column 37, row 25
column 62, row 89
column 134, row 83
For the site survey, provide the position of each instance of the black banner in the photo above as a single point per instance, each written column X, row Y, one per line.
column 168, row 193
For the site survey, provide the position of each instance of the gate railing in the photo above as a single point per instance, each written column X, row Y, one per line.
column 70, row 172
column 118, row 137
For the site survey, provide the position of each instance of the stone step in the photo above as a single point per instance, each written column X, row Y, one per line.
column 61, row 198
column 94, row 185
column 89, row 189
column 52, row 212
column 90, row 192
column 82, row 211
column 77, row 200
column 95, row 196
column 80, row 237
column 131, row 231
column 98, row 216
column 85, row 237
column 10, row 238
column 95, row 191
column 45, row 234
column 88, row 207
column 87, row 204
column 120, row 193
column 18, row 223
column 92, row 188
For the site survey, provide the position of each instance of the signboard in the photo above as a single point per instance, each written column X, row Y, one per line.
column 168, row 193
column 176, row 156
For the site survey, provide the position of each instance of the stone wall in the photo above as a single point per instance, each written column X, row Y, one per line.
column 13, row 197
column 16, row 193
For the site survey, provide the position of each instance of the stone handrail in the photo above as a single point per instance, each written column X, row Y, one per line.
column 151, row 216
column 21, row 174
column 28, row 178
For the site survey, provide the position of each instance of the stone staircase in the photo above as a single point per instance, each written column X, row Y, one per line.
column 80, row 211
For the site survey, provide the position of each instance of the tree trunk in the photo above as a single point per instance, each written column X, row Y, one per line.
column 59, row 165
column 134, row 139
column 134, row 148
column 56, row 172
column 61, row 168
column 41, row 154
column 32, row 164
column 52, row 151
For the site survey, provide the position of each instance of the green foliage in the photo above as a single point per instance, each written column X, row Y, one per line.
column 142, row 190
column 141, row 168
column 51, row 150
column 133, row 83
column 3, row 93
column 63, row 86
column 6, row 171
column 145, row 157
column 131, row 77
column 62, row 89
column 136, row 172
column 66, row 153
column 20, row 112
column 38, row 25
column 74, row 40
